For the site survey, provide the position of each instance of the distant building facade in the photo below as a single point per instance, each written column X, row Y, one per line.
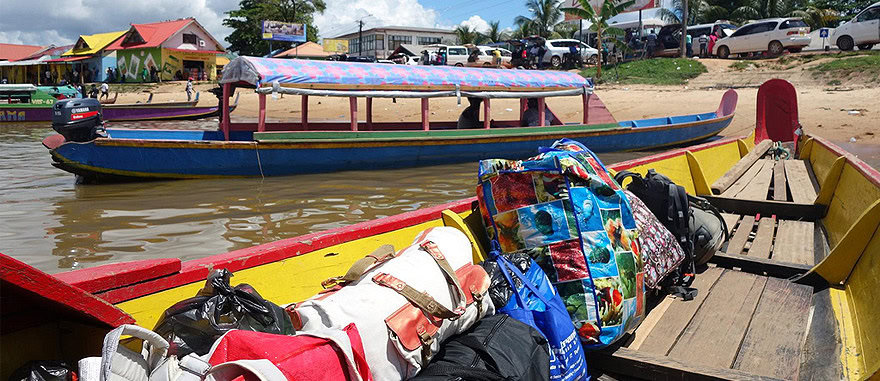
column 380, row 42
column 178, row 49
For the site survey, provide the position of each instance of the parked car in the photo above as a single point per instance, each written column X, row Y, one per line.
column 669, row 36
column 557, row 48
column 486, row 54
column 862, row 31
column 455, row 55
column 770, row 35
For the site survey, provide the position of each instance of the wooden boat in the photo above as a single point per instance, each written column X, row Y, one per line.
column 813, row 218
column 275, row 149
column 28, row 103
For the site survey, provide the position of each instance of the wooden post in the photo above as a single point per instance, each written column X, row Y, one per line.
column 305, row 112
column 369, row 113
column 586, row 98
column 522, row 108
column 425, row 124
column 261, row 122
column 353, row 105
column 486, row 110
column 541, row 112
column 224, row 103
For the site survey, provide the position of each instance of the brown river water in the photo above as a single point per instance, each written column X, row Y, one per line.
column 49, row 222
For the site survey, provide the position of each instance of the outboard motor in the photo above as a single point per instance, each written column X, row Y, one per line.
column 78, row 119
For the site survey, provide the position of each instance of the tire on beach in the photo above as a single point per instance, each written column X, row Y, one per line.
column 723, row 52
column 775, row 49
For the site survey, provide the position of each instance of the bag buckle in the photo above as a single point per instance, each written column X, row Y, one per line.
column 331, row 282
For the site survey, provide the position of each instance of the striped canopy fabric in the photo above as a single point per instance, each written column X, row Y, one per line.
column 258, row 71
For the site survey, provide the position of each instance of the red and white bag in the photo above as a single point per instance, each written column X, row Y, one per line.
column 406, row 303
column 661, row 253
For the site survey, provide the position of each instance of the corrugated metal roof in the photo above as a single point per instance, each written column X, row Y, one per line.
column 94, row 43
column 12, row 52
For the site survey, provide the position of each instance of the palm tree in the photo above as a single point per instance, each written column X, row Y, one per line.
column 467, row 35
column 817, row 17
column 494, row 34
column 521, row 31
column 699, row 12
column 545, row 15
column 599, row 22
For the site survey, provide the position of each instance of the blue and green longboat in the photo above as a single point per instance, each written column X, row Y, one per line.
column 261, row 148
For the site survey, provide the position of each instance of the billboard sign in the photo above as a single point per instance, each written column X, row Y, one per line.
column 335, row 46
column 638, row 5
column 284, row 31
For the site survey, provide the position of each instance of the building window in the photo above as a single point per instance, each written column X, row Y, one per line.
column 429, row 40
column 353, row 45
column 189, row 38
column 395, row 41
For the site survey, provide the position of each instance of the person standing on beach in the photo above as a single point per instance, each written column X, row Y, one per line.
column 189, row 89
column 689, row 44
column 651, row 43
column 105, row 90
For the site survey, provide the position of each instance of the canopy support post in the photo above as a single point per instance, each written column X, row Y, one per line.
column 305, row 112
column 261, row 122
column 369, row 113
column 586, row 98
column 224, row 104
column 523, row 102
column 541, row 112
column 486, row 110
column 425, row 125
column 353, row 105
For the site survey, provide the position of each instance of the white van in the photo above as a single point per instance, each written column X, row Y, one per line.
column 455, row 55
column 862, row 31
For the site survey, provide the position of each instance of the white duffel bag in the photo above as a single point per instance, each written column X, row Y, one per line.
column 406, row 303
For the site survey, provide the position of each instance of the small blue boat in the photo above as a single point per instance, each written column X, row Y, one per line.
column 277, row 149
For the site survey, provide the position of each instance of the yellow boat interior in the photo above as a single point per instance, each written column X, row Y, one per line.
column 790, row 296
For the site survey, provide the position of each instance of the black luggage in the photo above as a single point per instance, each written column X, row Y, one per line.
column 498, row 347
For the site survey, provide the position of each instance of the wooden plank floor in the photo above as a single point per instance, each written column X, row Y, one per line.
column 782, row 180
column 739, row 321
column 765, row 237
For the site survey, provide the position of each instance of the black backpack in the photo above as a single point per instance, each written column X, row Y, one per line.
column 671, row 204
column 497, row 347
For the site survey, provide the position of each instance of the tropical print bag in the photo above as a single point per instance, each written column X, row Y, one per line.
column 566, row 212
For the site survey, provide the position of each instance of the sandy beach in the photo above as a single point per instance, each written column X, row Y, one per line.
column 839, row 113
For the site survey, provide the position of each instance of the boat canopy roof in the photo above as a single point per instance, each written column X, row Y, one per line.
column 17, row 88
column 339, row 75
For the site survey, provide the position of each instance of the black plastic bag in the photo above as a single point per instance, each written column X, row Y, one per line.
column 499, row 288
column 194, row 324
column 43, row 370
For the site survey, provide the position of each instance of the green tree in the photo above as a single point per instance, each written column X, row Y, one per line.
column 845, row 9
column 545, row 15
column 521, row 31
column 247, row 21
column 465, row 34
column 599, row 23
column 494, row 34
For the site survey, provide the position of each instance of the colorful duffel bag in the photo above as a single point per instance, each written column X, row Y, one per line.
column 661, row 253
column 564, row 209
column 405, row 303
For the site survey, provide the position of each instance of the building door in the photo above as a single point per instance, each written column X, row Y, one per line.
column 194, row 70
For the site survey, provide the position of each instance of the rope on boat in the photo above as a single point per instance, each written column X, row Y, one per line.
column 458, row 93
column 259, row 163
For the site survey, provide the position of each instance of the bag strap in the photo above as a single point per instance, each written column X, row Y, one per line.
column 361, row 266
column 422, row 300
column 676, row 215
column 431, row 248
column 623, row 175
column 263, row 370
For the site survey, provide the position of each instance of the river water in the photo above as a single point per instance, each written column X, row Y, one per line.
column 49, row 222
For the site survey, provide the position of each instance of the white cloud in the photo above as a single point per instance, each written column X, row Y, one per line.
column 341, row 16
column 44, row 22
column 476, row 22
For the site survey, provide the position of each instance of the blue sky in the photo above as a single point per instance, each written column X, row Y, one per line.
column 43, row 22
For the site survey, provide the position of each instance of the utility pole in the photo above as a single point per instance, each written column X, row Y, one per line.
column 684, row 28
column 360, row 36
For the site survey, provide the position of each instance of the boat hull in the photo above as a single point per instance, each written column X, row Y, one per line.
column 113, row 114
column 114, row 158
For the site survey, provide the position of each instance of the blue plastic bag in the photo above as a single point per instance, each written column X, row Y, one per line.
column 537, row 304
